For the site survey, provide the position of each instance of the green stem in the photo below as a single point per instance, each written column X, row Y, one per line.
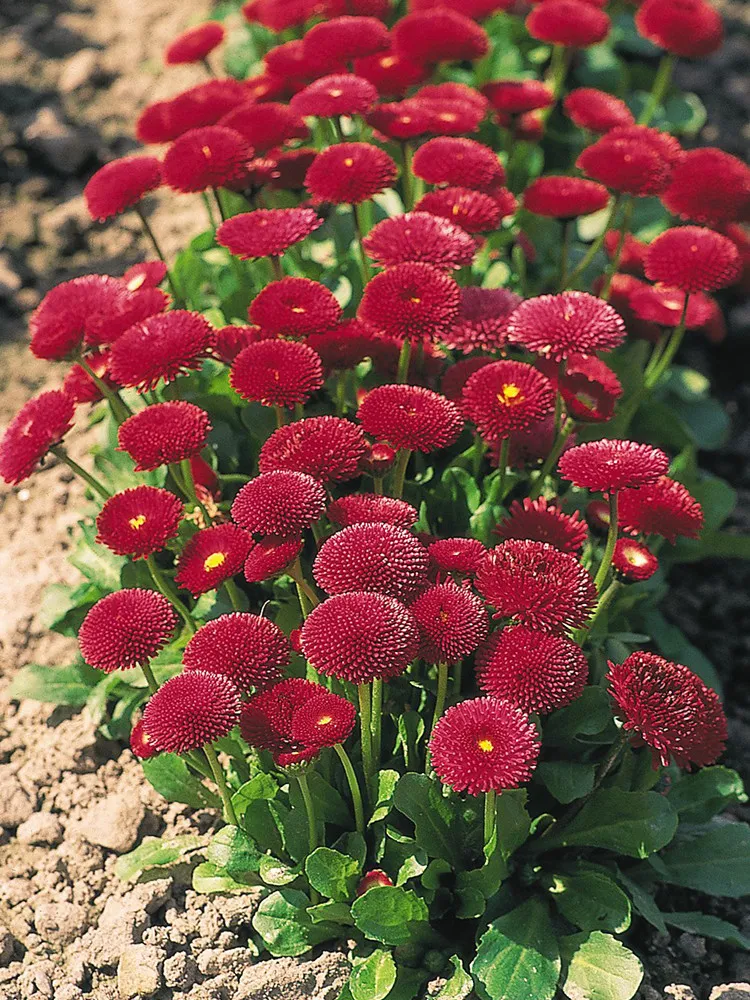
column 551, row 459
column 359, row 232
column 278, row 271
column 209, row 210
column 165, row 588
column 365, row 725
column 312, row 826
column 279, row 415
column 502, row 466
column 233, row 593
column 59, row 452
column 490, row 817
column 565, row 251
column 407, row 177
column 120, row 409
column 440, row 696
column 477, row 454
column 219, row 205
column 582, row 634
column 150, row 679
column 354, row 789
column 597, row 244
column 402, row 373
column 627, row 215
column 218, row 774
column 189, row 480
column 376, row 723
column 399, row 472
column 609, row 548
column 659, row 88
column 157, row 249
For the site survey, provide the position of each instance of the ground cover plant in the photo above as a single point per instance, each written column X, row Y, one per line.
column 377, row 573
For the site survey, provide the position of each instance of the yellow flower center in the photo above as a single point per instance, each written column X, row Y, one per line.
column 485, row 745
column 324, row 720
column 135, row 283
column 335, row 93
column 415, row 299
column 138, row 521
column 509, row 395
column 387, row 61
column 206, row 152
column 297, row 309
column 215, row 560
column 348, row 162
column 443, row 616
column 635, row 557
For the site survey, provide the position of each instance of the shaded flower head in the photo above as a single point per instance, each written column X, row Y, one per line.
column 531, row 446
column 537, row 671
column 669, row 708
column 79, row 385
column 212, row 555
column 371, row 508
column 687, row 28
column 484, row 744
column 270, row 556
column 279, row 503
column 266, row 719
column 456, row 555
column 410, row 416
column 564, row 197
column 194, row 44
column 247, row 649
column 140, row 742
column 266, row 232
column 374, row 557
column 323, row 720
column 664, row 507
column 295, row 307
column 596, row 110
column 126, row 629
column 329, row 449
column 277, row 372
column 378, row 459
column 339, row 94
column 120, row 184
column 371, row 879
column 139, row 521
column 265, row 126
column 632, row 251
column 161, row 347
column 456, row 160
column 625, row 164
column 665, row 305
column 391, row 72
column 148, row 274
column 556, row 326
column 342, row 39
column 277, row 15
column 473, row 211
column 573, row 23
column 633, row 561
column 544, row 522
column 349, row 173
column 164, row 433
column 590, row 389
column 344, row 346
column 419, row 237
column 506, row 396
column 197, row 107
column 482, row 319
column 709, row 186
column 413, row 301
column 40, row 424
column 190, row 710
column 610, row 466
column 439, row 35
column 515, row 97
column 230, row 340
column 453, row 622
column 693, row 259
column 204, row 158
column 457, row 375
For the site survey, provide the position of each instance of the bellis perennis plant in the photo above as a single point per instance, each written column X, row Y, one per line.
column 396, row 462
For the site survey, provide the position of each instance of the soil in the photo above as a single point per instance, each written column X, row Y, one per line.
column 73, row 75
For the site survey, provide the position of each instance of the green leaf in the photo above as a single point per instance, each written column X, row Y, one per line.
column 518, row 957
column 566, row 780
column 96, row 562
column 419, row 798
column 155, row 852
column 374, row 978
column 684, row 114
column 600, row 968
column 275, row 872
column 234, row 851
column 71, row 685
column 171, row 777
column 338, row 913
column 333, row 874
column 591, row 900
column 462, row 487
column 387, row 781
column 708, row 926
column 260, row 788
column 675, row 646
column 643, row 902
column 700, row 796
column 586, row 716
column 713, row 859
column 513, row 821
column 285, row 926
column 460, row 984
column 209, row 877
column 632, row 823
column 389, row 913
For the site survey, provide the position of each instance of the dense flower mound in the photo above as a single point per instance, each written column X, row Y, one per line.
column 693, row 259
column 610, row 466
column 161, row 347
column 542, row 521
column 455, row 160
column 230, row 340
column 266, row 718
column 277, row 372
column 148, row 274
column 279, row 503
column 633, row 561
column 194, row 44
column 343, row 39
column 590, row 389
column 39, row 425
column 360, row 637
column 665, row 305
column 625, row 164
column 266, row 232
column 516, row 97
column 564, row 197
column 295, row 307
column 249, row 650
column 596, row 110
column 537, row 585
column 688, row 28
column 669, row 708
column 349, row 173
column 374, row 557
column 420, row 237
column 390, row 72
column 270, row 556
column 556, row 326
column 202, row 105
column 323, row 720
column 329, row 449
column 473, row 211
column 338, row 94
column 453, row 622
column 139, row 521
column 126, row 629
column 164, row 433
column 140, row 742
column 411, row 417
column 574, row 23
column 456, row 555
column 212, row 555
column 506, row 396
column 371, row 508
column 666, row 145
column 484, row 744
column 709, row 186
column 439, row 35
column 204, row 158
column 664, row 507
column 412, row 301
column 190, row 710
column 265, row 126
column 121, row 184
column 482, row 319
column 537, row 671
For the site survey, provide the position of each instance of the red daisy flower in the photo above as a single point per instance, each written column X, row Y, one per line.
column 349, row 173
column 149, row 274
column 266, row 719
column 390, row 72
column 140, row 742
column 120, row 184
column 453, row 622
column 537, row 584
column 265, row 126
column 79, row 385
column 203, row 158
column 139, row 521
column 589, row 388
column 266, row 88
column 40, row 424
column 506, row 396
column 625, row 165
column 230, row 340
column 212, row 556
column 536, row 671
column 482, row 320
column 374, row 557
column 330, row 44
column 360, row 637
column 343, row 347
column 371, row 508
column 339, row 94
column 420, row 237
column 324, row 720
column 664, row 507
column 476, row 9
column 278, row 15
column 266, row 232
column 556, row 326
column 125, row 629
column 484, row 745
column 457, row 93
column 402, row 120
column 163, row 434
column 288, row 61
column 514, row 97
column 693, row 259
column 329, row 449
column 544, row 522
column 439, row 35
column 279, row 503
column 454, row 160
column 564, row 197
column 665, row 305
column 204, row 104
column 687, row 28
column 445, row 116
column 270, row 556
column 632, row 561
column 709, row 186
column 191, row 710
column 378, row 459
column 277, row 373
column 456, row 555
column 289, row 171
column 295, row 307
column 371, row 879
column 457, row 375
column 610, row 466
column 573, row 23
column 249, row 650
column 669, row 708
column 161, row 347
column 412, row 301
column 195, row 44
column 411, row 417
column 473, row 211
column 596, row 110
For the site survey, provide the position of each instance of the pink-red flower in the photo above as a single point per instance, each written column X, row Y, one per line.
column 203, row 158
column 39, row 425
column 161, row 347
column 456, row 555
column 709, row 186
column 610, row 466
column 573, row 23
column 506, row 396
column 190, row 710
column 270, row 556
column 693, row 259
column 516, row 97
column 439, row 35
column 339, row 94
column 212, row 555
column 420, row 237
column 473, row 211
column 687, row 28
column 277, row 372
column 342, row 39
column 295, row 307
column 625, row 164
column 266, row 232
column 371, row 508
column 633, row 561
column 544, row 522
column 455, row 160
column 482, row 320
column 265, row 126
column 556, row 326
column 163, row 434
column 411, row 301
column 126, row 629
column 564, row 197
column 349, row 173
column 596, row 110
column 279, row 503
column 140, row 742
column 121, row 184
column 328, row 448
column 248, row 650
column 373, row 557
column 194, row 44
column 453, row 622
column 139, row 521
column 411, row 417
column 664, row 507
column 323, row 720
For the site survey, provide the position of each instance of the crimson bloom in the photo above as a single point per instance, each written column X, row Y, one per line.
column 687, row 28
column 374, row 557
column 453, row 622
column 534, row 670
column 411, row 417
column 506, row 396
column 360, row 637
column 349, row 173
column 270, row 556
column 483, row 745
column 669, row 708
column 411, row 301
column 632, row 561
column 556, row 326
column 390, row 72
column 121, row 184
column 266, row 232
column 197, row 107
column 265, row 126
column 457, row 375
column 419, row 237
column 344, row 347
column 230, row 340
column 632, row 252
column 163, row 434
column 439, row 35
column 693, row 259
column 537, row 584
column 339, row 94
column 596, row 110
column 203, row 158
column 516, row 97
column 266, row 720
column 79, row 385
column 140, row 742
column 455, row 160
column 39, row 425
column 194, row 44
column 139, row 521
column 324, row 720
column 610, row 466
column 212, row 555
column 295, row 307
column 371, row 508
column 161, row 347
column 573, row 23
column 709, row 186
column 564, row 197
column 456, row 555
column 473, row 211
column 190, row 710
column 625, row 164
column 277, row 15
column 329, row 449
column 126, row 629
column 343, row 39
column 148, row 274
column 248, row 650
column 544, row 522
column 665, row 306
column 279, row 503
column 482, row 320
column 664, row 507
column 277, row 372
column 590, row 389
